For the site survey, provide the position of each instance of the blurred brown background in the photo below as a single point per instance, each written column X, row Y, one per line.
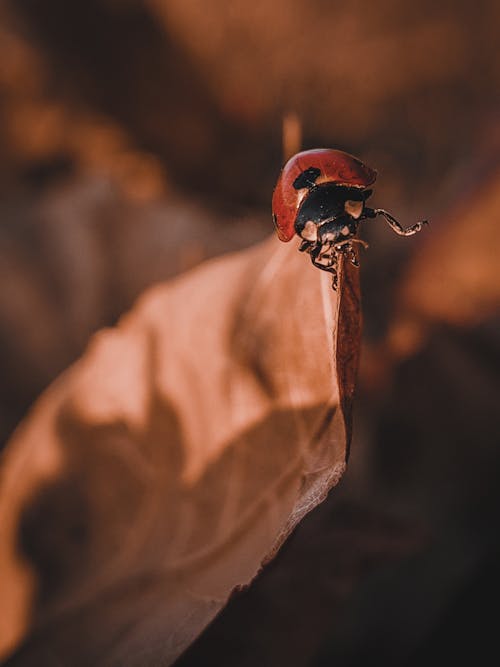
column 139, row 137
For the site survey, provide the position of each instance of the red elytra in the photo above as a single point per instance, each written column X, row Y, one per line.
column 334, row 167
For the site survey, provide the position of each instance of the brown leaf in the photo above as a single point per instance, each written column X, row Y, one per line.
column 165, row 467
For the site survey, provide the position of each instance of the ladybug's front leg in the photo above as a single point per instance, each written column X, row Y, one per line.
column 348, row 251
column 394, row 224
column 307, row 246
column 325, row 257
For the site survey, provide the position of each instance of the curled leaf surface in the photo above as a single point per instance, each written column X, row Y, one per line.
column 162, row 470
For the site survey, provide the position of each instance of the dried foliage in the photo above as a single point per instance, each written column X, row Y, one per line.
column 400, row 564
column 166, row 466
column 131, row 134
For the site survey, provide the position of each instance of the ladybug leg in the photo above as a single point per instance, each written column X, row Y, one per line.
column 332, row 265
column 348, row 251
column 346, row 248
column 335, row 278
column 318, row 258
column 322, row 255
column 325, row 257
column 394, row 224
column 352, row 256
column 307, row 246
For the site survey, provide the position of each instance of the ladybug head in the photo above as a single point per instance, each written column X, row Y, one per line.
column 328, row 203
column 322, row 183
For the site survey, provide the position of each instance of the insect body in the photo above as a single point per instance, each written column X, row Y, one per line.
column 321, row 196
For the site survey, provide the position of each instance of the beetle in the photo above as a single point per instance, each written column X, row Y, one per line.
column 321, row 196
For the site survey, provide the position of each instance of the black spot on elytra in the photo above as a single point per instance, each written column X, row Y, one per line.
column 307, row 178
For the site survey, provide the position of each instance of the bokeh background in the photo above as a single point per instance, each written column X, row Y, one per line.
column 140, row 137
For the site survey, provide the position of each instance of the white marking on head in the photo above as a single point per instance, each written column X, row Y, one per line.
column 310, row 231
column 354, row 208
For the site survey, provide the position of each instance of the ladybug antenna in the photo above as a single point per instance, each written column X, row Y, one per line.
column 394, row 224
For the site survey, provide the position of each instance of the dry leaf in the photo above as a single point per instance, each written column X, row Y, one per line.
column 165, row 467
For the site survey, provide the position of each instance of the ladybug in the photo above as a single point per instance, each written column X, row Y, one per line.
column 321, row 196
